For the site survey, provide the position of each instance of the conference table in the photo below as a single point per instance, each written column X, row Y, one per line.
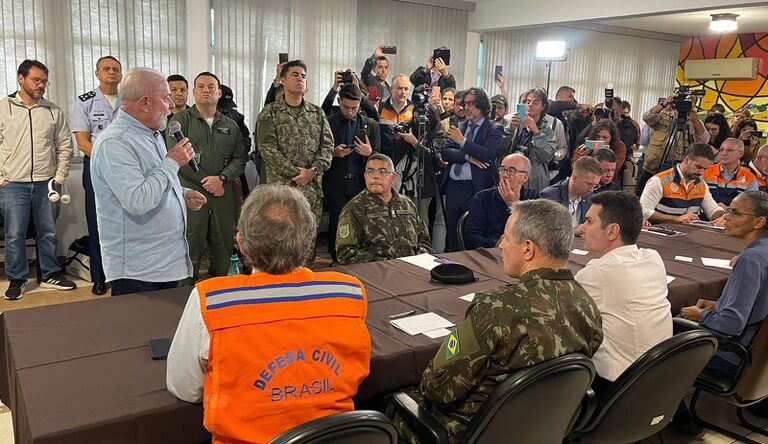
column 81, row 372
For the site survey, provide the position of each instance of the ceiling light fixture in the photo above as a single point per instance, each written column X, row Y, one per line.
column 723, row 22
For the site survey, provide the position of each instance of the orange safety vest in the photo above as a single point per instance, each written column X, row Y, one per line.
column 284, row 350
column 724, row 191
column 388, row 115
column 762, row 179
column 677, row 199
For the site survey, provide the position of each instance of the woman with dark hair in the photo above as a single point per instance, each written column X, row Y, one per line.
column 718, row 129
column 606, row 131
column 533, row 136
column 743, row 132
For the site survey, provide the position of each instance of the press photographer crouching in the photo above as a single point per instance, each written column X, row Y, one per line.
column 675, row 126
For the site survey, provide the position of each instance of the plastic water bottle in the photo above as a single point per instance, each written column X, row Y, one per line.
column 234, row 267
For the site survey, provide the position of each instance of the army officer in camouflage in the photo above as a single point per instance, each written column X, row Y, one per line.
column 546, row 315
column 379, row 223
column 295, row 140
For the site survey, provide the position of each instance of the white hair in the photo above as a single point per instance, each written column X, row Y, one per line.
column 140, row 82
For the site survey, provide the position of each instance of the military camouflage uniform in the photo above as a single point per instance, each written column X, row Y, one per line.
column 372, row 230
column 293, row 137
column 546, row 315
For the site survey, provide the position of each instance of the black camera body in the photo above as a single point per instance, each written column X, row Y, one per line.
column 683, row 104
column 603, row 113
column 403, row 127
column 420, row 98
column 347, row 76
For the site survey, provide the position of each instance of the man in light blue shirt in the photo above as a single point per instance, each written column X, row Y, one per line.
column 140, row 204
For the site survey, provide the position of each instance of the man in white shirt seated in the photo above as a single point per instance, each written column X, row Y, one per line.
column 627, row 283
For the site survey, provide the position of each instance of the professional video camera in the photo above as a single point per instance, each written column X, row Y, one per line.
column 683, row 104
column 607, row 112
column 347, row 76
column 420, row 98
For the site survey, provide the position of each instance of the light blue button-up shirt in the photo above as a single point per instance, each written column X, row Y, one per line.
column 140, row 204
column 92, row 113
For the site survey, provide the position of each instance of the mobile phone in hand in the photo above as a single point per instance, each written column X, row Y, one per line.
column 521, row 110
column 282, row 57
column 497, row 72
column 389, row 49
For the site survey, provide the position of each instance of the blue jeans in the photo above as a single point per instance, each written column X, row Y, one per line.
column 19, row 200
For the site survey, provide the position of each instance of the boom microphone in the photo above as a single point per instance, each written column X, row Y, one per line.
column 174, row 128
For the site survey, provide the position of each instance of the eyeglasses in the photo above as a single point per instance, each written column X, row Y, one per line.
column 40, row 81
column 733, row 213
column 380, row 171
column 511, row 171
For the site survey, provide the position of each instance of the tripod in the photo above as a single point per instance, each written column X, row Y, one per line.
column 679, row 130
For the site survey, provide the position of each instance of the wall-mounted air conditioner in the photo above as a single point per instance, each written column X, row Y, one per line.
column 744, row 68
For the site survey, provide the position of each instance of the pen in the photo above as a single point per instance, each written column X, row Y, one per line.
column 402, row 315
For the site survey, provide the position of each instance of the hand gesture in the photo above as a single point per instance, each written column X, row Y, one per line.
column 428, row 64
column 182, row 152
column 530, row 125
column 410, row 138
column 441, row 66
column 336, row 80
column 363, row 148
column 514, row 121
column 687, row 218
column 341, row 150
column 213, row 185
column 278, row 70
column 455, row 135
column 477, row 163
column 705, row 304
column 499, row 81
column 304, row 177
column 508, row 193
column 194, row 200
column 378, row 52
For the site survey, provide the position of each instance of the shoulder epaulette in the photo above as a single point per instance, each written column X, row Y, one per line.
column 87, row 96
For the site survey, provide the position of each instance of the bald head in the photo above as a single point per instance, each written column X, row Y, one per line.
column 517, row 161
column 144, row 94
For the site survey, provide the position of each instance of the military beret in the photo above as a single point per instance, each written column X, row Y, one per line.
column 452, row 274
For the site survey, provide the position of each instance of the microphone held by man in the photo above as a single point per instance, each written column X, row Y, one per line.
column 182, row 153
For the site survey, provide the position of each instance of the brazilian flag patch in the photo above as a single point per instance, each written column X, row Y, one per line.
column 452, row 345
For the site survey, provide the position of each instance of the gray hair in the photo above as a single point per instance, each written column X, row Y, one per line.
column 736, row 143
column 763, row 151
column 520, row 157
column 140, row 82
column 383, row 158
column 277, row 228
column 546, row 224
column 758, row 200
column 402, row 77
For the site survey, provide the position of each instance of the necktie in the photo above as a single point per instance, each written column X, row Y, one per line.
column 469, row 137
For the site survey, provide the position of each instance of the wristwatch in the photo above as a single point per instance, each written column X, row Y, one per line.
column 314, row 170
column 223, row 178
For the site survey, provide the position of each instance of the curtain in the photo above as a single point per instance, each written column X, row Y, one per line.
column 328, row 35
column 641, row 69
column 70, row 35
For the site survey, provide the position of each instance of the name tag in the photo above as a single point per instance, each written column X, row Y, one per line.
column 222, row 130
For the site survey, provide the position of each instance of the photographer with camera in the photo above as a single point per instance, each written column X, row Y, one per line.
column 341, row 78
column 675, row 125
column 356, row 138
column 747, row 132
column 471, row 153
column 533, row 136
column 378, row 80
column 435, row 71
column 394, row 112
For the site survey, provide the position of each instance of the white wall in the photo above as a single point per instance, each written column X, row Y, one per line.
column 504, row 14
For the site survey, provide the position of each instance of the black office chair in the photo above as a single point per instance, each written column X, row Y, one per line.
column 460, row 230
column 536, row 404
column 641, row 402
column 748, row 386
column 357, row 427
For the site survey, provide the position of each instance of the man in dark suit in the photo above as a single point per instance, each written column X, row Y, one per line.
column 470, row 152
column 575, row 192
column 357, row 137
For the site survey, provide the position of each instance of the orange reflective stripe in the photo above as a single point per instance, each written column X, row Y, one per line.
column 676, row 199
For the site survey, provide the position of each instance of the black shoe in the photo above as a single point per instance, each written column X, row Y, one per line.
column 57, row 282
column 15, row 290
column 684, row 423
column 99, row 289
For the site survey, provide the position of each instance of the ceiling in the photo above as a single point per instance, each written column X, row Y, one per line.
column 751, row 19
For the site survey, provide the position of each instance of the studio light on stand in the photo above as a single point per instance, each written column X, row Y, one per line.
column 723, row 23
column 549, row 51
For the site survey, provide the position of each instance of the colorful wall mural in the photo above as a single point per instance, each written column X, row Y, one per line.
column 733, row 94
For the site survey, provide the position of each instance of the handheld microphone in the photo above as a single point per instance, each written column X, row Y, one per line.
column 174, row 128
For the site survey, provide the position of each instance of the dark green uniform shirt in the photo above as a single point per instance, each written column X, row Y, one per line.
column 373, row 230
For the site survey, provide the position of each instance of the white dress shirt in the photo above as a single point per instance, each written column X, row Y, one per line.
column 629, row 286
column 188, row 356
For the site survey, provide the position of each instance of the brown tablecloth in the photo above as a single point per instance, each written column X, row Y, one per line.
column 81, row 372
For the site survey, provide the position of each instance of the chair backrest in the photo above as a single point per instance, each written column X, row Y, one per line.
column 460, row 230
column 754, row 382
column 644, row 398
column 535, row 404
column 357, row 427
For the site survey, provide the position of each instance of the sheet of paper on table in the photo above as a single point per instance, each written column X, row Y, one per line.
column 670, row 279
column 421, row 323
column 424, row 260
column 683, row 258
column 468, row 297
column 439, row 333
column 719, row 263
column 707, row 224
column 579, row 252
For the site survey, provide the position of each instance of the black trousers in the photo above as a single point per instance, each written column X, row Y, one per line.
column 94, row 248
column 457, row 197
column 126, row 286
column 335, row 199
